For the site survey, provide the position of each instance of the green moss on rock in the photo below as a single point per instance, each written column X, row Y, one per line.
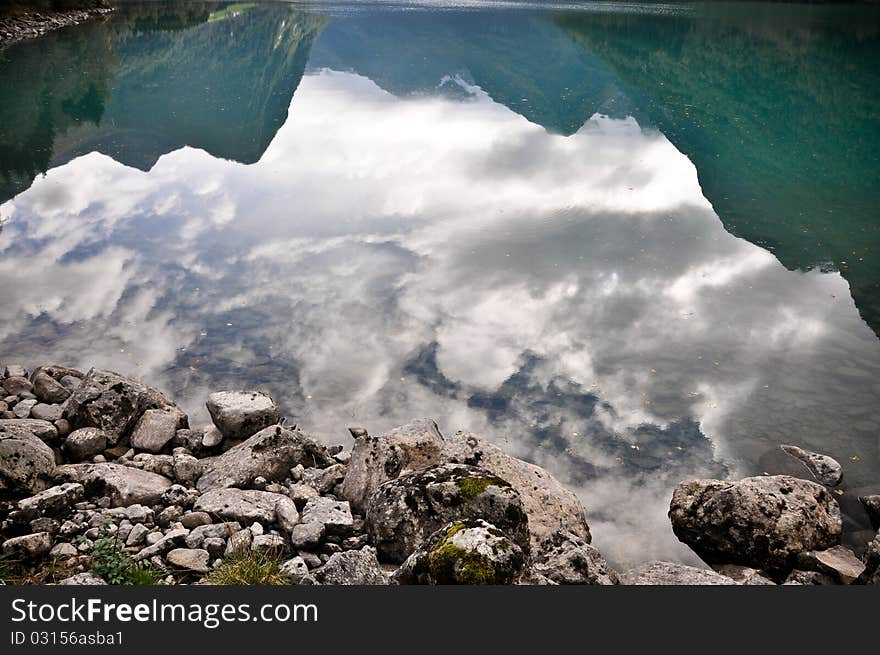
column 473, row 486
column 449, row 564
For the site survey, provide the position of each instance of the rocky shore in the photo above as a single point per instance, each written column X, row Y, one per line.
column 31, row 24
column 103, row 480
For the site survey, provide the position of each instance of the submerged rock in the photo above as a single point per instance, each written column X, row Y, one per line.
column 762, row 522
column 269, row 454
column 404, row 511
column 823, row 468
column 112, row 402
column 470, row 552
column 669, row 573
column 241, row 414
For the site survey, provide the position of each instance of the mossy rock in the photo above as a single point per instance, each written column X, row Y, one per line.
column 403, row 512
column 469, row 552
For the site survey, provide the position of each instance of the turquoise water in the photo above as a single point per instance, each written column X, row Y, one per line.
column 632, row 243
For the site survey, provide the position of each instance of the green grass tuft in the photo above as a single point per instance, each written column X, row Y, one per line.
column 248, row 569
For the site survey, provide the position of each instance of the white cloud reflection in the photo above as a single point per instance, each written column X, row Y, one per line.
column 390, row 258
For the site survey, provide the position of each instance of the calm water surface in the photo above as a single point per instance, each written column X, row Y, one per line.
column 632, row 243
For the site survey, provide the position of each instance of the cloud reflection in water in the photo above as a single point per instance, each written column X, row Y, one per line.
column 573, row 298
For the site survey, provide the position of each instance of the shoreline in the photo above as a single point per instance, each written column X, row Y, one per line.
column 29, row 25
column 103, row 480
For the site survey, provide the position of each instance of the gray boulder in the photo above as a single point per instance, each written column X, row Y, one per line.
column 29, row 546
column 164, row 544
column 44, row 412
column 189, row 559
column 304, row 536
column 22, row 409
column 124, row 485
column 112, row 402
column 48, row 389
column 244, row 505
column 58, row 372
column 469, row 552
column 762, row 522
column 269, row 454
column 16, row 385
column 334, row 515
column 85, row 443
column 54, row 501
column 352, row 567
column 15, row 371
column 195, row 519
column 566, row 559
column 375, row 460
column 186, row 468
column 418, row 444
column 324, row 481
column 211, row 437
column 824, row 469
column 669, row 573
column 403, row 512
column 83, row 579
column 156, row 427
column 295, row 569
column 241, row 414
column 197, row 537
column 137, row 535
column 43, row 430
column 26, row 463
column 549, row 505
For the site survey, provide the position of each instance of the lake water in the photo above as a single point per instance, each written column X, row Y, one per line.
column 630, row 242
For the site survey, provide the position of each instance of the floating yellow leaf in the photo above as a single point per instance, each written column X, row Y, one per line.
column 856, row 458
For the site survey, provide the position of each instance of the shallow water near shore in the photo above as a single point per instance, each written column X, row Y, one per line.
column 630, row 243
